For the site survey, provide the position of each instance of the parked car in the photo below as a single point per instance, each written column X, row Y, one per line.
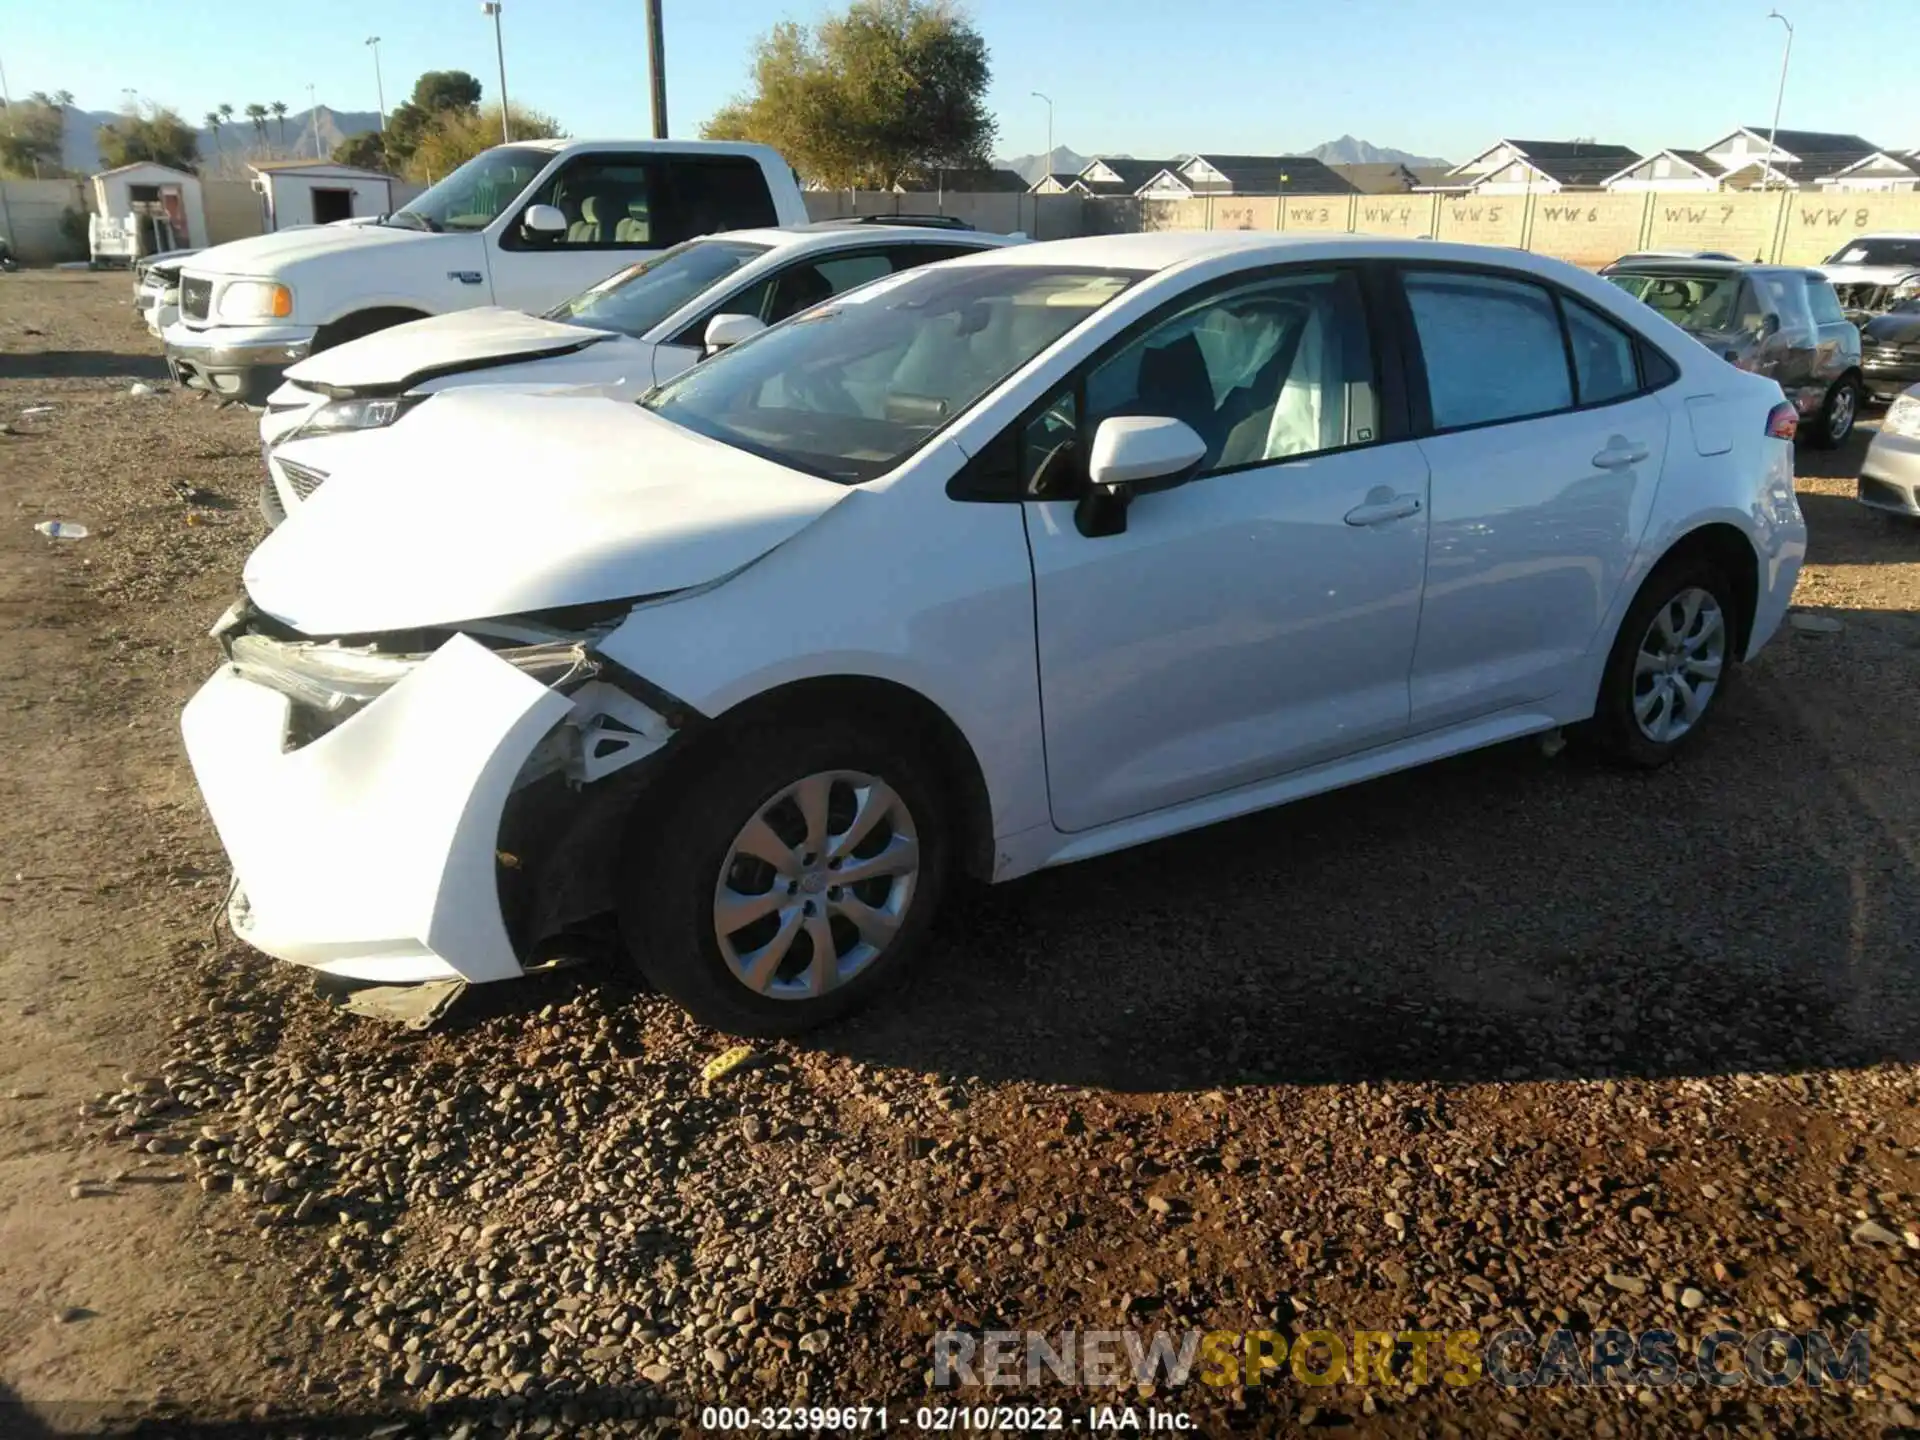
column 1871, row 273
column 1678, row 254
column 1780, row 321
column 984, row 567
column 1890, row 349
column 156, row 288
column 522, row 225
column 630, row 332
column 1890, row 472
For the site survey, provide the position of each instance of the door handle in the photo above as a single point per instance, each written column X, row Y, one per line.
column 1378, row 511
column 1619, row 454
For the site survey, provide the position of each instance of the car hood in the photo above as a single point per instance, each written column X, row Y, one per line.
column 1867, row 274
column 268, row 255
column 1896, row 327
column 388, row 361
column 483, row 504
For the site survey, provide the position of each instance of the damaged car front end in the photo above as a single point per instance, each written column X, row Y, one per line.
column 394, row 806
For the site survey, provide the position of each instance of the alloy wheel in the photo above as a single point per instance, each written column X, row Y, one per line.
column 1678, row 667
column 816, row 884
column 1840, row 411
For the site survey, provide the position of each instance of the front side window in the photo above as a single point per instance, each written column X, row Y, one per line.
column 1824, row 303
column 850, row 389
column 475, row 194
column 1267, row 370
column 641, row 296
column 608, row 201
column 1492, row 348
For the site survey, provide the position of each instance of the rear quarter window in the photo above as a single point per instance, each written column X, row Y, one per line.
column 1824, row 303
column 709, row 193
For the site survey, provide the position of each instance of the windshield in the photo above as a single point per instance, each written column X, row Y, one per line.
column 1878, row 252
column 638, row 298
column 479, row 190
column 849, row 389
column 1693, row 302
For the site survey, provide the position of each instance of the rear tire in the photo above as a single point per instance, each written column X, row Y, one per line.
column 1835, row 421
column 695, row 852
column 1673, row 659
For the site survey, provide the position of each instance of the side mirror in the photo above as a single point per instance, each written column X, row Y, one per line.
column 1134, row 455
column 548, row 220
column 725, row 330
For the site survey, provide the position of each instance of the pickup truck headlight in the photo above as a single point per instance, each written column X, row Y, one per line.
column 255, row 300
column 338, row 416
column 1907, row 288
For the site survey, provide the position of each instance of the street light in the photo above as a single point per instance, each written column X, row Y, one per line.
column 379, row 90
column 492, row 7
column 1780, row 96
column 1049, row 99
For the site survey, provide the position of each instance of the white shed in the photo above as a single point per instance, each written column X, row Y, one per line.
column 154, row 206
column 317, row 192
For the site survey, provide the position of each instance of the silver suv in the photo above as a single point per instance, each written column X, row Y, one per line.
column 1781, row 321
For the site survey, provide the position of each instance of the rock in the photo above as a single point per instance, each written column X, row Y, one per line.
column 815, row 1342
column 1629, row 1284
column 1159, row 1205
column 753, row 1128
column 1692, row 1299
column 71, row 1315
column 1396, row 1272
column 1872, row 1232
column 657, row 1373
column 716, row 1359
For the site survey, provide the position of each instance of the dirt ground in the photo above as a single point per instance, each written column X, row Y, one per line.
column 1511, row 1042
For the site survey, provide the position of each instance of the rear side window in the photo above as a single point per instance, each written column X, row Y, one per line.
column 1824, row 303
column 1603, row 356
column 702, row 194
column 1492, row 348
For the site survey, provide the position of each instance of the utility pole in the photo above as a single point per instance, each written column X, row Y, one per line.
column 379, row 89
column 492, row 7
column 313, row 121
column 1779, row 98
column 657, row 67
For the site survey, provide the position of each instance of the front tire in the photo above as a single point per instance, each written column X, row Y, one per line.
column 788, row 877
column 1835, row 421
column 1675, row 655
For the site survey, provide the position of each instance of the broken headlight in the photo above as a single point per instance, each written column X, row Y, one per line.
column 338, row 679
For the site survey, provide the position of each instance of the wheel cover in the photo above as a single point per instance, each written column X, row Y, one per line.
column 1840, row 413
column 1678, row 666
column 815, row 886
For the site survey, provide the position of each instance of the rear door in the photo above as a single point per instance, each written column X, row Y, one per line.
column 1546, row 447
column 1837, row 346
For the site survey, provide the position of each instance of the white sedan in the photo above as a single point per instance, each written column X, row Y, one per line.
column 985, row 567
column 636, row 328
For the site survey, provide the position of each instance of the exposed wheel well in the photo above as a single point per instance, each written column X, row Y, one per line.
column 902, row 711
column 363, row 322
column 1732, row 554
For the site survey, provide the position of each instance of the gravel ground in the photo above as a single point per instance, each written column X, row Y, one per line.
column 1512, row 1041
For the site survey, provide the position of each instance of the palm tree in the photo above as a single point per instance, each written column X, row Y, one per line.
column 226, row 113
column 213, row 128
column 258, row 115
column 280, row 114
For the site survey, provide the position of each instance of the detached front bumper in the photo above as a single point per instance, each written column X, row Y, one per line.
column 370, row 852
column 233, row 362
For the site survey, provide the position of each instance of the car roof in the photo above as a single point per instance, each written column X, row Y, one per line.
column 1653, row 265
column 861, row 237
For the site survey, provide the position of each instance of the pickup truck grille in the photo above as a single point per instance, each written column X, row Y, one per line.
column 1899, row 355
column 196, row 297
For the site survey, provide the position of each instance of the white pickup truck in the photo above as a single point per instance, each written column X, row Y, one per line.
column 524, row 226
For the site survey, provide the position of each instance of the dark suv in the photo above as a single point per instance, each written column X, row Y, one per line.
column 1780, row 321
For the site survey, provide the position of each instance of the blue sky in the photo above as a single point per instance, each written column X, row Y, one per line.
column 1147, row 77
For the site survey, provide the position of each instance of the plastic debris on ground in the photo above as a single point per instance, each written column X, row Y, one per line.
column 62, row 530
column 726, row 1062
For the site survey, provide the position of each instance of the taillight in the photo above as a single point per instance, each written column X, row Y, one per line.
column 1783, row 421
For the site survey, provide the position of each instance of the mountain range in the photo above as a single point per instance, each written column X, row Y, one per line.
column 1347, row 150
column 238, row 142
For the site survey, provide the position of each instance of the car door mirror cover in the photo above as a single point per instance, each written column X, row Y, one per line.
column 1139, row 454
column 544, row 220
column 728, row 329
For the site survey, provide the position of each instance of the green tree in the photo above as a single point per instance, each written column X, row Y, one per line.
column 32, row 135
column 435, row 94
column 890, row 90
column 455, row 137
column 367, row 150
column 279, row 108
column 212, row 118
column 153, row 132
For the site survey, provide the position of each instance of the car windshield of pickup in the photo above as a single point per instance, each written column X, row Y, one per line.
column 849, row 389
column 641, row 296
column 1883, row 250
column 473, row 195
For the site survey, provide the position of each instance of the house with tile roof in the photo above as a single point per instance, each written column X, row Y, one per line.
column 1204, row 175
column 1525, row 167
column 1668, row 170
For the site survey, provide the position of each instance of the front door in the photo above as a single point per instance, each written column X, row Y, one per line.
column 606, row 201
column 1262, row 616
column 1543, row 479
